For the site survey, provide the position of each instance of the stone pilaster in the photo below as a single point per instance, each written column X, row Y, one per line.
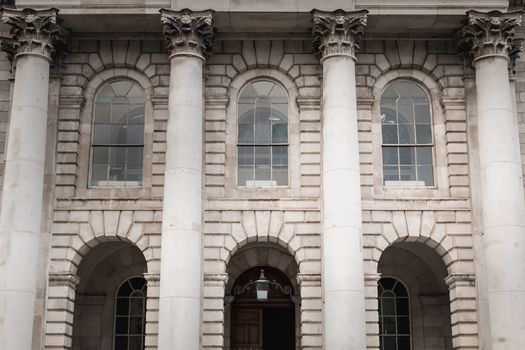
column 36, row 38
column 336, row 38
column 188, row 36
column 488, row 39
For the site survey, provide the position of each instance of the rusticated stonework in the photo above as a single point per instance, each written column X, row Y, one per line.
column 338, row 32
column 187, row 32
column 490, row 34
column 34, row 32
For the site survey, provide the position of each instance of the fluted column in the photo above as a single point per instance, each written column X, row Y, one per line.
column 188, row 36
column 336, row 37
column 36, row 37
column 488, row 38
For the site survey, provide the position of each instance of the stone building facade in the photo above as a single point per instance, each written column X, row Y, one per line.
column 255, row 136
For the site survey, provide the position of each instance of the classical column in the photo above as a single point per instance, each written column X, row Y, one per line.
column 188, row 36
column 488, row 38
column 336, row 38
column 36, row 37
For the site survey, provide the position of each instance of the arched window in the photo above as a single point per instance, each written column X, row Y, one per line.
column 130, row 315
column 118, row 135
column 262, row 141
column 406, row 125
column 394, row 315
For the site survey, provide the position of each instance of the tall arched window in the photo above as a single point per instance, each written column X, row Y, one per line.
column 118, row 135
column 130, row 315
column 394, row 315
column 406, row 124
column 262, row 141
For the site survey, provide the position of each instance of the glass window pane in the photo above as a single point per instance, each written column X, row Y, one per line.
column 121, row 87
column 116, row 173
column 246, row 161
column 280, row 112
column 400, row 290
column 403, row 325
column 99, row 173
column 135, row 325
column 136, row 115
column 121, row 325
column 402, row 306
column 405, row 111
column 389, row 325
column 406, row 134
column 391, row 173
column 134, row 157
column 100, row 155
column 407, row 173
column 136, row 94
column 135, row 343
column 248, row 95
column 424, row 155
column 389, row 343
column 422, row 114
column 424, row 133
column 246, row 113
column 262, row 163
column 278, row 94
column 262, row 133
column 280, row 165
column 388, row 283
column 388, row 306
column 102, row 113
column 118, row 134
column 263, row 111
column 390, row 156
column 388, row 114
column 137, row 306
column 263, row 88
column 119, row 113
column 280, row 133
column 426, row 174
column 135, row 134
column 121, row 343
column 122, row 306
column 246, row 134
column 389, row 134
column 403, row 343
column 407, row 156
column 101, row 134
column 117, row 156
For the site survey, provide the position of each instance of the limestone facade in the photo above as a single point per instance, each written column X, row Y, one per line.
column 429, row 238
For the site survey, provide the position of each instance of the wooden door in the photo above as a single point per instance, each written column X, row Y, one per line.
column 247, row 329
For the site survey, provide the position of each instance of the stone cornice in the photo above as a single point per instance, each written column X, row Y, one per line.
column 34, row 32
column 338, row 33
column 490, row 34
column 187, row 32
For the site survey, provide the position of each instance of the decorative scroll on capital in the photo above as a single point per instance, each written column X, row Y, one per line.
column 490, row 34
column 338, row 33
column 187, row 32
column 35, row 32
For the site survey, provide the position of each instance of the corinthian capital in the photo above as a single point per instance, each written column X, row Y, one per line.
column 490, row 34
column 33, row 32
column 187, row 32
column 338, row 33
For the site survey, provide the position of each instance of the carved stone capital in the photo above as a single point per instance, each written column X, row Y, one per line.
column 187, row 32
column 338, row 33
column 490, row 34
column 34, row 32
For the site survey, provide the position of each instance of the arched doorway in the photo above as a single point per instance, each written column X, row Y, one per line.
column 259, row 320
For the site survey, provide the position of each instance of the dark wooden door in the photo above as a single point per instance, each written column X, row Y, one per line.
column 247, row 329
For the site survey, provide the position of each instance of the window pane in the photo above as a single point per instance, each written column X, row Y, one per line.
column 263, row 88
column 134, row 157
column 406, row 134
column 388, row 114
column 135, row 134
column 116, row 173
column 136, row 115
column 389, row 325
column 118, row 134
column 280, row 133
column 388, row 343
column 424, row 133
column 121, row 325
column 402, row 306
column 405, row 111
column 407, row 173
column 136, row 94
column 262, row 111
column 99, row 173
column 391, row 173
column 117, row 156
column 121, row 343
column 403, row 325
column 424, row 155
column 280, row 165
column 407, row 156
column 102, row 113
column 422, row 114
column 119, row 113
column 122, row 306
column 121, row 87
column 262, row 163
column 101, row 134
column 100, row 155
column 280, row 112
column 388, row 306
column 389, row 134
column 390, row 156
column 246, row 161
column 246, row 113
column 262, row 133
column 135, row 342
column 426, row 174
column 246, row 133
column 135, row 325
column 137, row 306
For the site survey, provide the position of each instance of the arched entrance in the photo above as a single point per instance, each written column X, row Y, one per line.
column 260, row 320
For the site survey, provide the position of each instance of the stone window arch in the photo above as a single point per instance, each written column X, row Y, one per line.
column 262, row 135
column 117, row 144
column 130, row 314
column 407, row 135
column 394, row 315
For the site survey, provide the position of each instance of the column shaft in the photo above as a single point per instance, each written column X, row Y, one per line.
column 189, row 36
column 336, row 35
column 181, row 277
column 21, row 208
column 503, row 204
column 342, row 237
